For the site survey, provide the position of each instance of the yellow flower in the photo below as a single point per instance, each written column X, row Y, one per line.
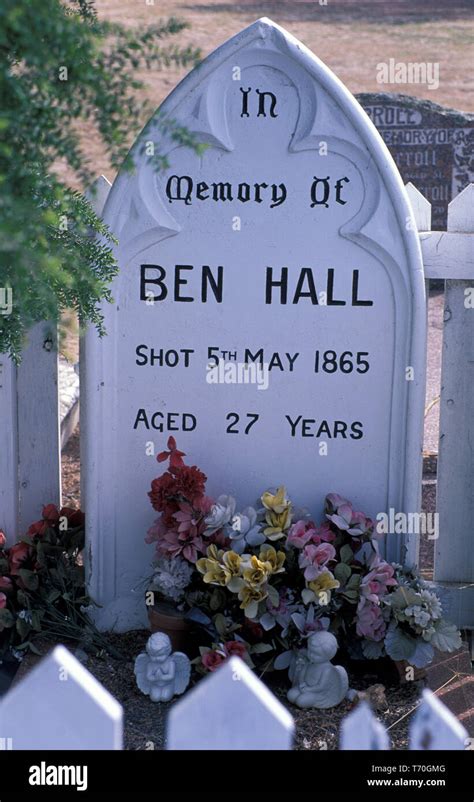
column 273, row 558
column 250, row 598
column 232, row 565
column 278, row 523
column 322, row 586
column 210, row 566
column 277, row 503
column 214, row 573
column 256, row 572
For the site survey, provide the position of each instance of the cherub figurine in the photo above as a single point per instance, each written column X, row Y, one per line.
column 160, row 674
column 316, row 682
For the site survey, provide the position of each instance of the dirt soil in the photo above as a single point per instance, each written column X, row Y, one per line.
column 394, row 704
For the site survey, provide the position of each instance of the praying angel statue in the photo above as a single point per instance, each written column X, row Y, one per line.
column 159, row 673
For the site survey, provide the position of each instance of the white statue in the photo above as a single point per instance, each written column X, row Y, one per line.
column 160, row 674
column 316, row 682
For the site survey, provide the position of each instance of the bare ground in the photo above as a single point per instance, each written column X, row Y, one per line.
column 350, row 37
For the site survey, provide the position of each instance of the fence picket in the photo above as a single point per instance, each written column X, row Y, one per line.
column 435, row 727
column 230, row 709
column 60, row 705
column 454, row 555
column 361, row 730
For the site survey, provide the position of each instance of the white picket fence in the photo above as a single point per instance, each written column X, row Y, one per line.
column 30, row 450
column 60, row 705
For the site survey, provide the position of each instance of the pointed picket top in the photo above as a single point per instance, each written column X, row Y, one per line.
column 98, row 193
column 361, row 730
column 231, row 709
column 435, row 727
column 60, row 705
column 421, row 207
column 461, row 211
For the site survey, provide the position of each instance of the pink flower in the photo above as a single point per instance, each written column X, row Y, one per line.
column 212, row 660
column 232, row 647
column 301, row 533
column 174, row 543
column 370, row 622
column 187, row 519
column 3, row 601
column 339, row 511
column 5, row 582
column 324, row 534
column 376, row 583
column 314, row 558
column 3, row 539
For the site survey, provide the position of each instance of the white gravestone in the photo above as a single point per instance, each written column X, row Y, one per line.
column 60, row 705
column 289, row 242
column 230, row 709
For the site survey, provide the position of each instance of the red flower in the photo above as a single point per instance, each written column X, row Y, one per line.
column 74, row 517
column 38, row 528
column 161, row 489
column 234, row 647
column 3, row 539
column 212, row 660
column 17, row 555
column 190, row 483
column 51, row 514
column 253, row 631
column 3, row 601
column 173, row 454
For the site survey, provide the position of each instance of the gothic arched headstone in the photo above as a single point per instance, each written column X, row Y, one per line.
column 289, row 241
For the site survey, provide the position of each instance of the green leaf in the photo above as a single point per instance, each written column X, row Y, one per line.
column 29, row 578
column 447, row 637
column 220, row 624
column 351, row 596
column 22, row 627
column 399, row 645
column 342, row 572
column 36, row 616
column 354, row 582
column 346, row 553
column 6, row 619
column 261, row 648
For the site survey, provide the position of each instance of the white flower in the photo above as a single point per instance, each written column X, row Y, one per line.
column 245, row 531
column 172, row 576
column 220, row 514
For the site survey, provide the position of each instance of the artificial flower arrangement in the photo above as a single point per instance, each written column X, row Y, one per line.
column 261, row 580
column 42, row 586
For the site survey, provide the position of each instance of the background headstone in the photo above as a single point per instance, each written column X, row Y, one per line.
column 290, row 240
column 433, row 147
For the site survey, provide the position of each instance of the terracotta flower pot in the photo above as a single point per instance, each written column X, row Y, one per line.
column 164, row 618
column 405, row 676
